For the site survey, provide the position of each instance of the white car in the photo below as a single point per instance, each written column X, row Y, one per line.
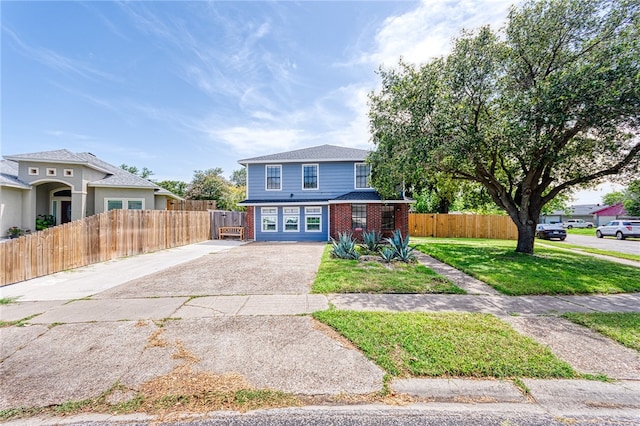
column 577, row 223
column 620, row 229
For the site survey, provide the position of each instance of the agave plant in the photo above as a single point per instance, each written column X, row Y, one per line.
column 387, row 254
column 400, row 247
column 344, row 247
column 372, row 240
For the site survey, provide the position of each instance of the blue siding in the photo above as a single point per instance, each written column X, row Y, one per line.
column 300, row 235
column 335, row 179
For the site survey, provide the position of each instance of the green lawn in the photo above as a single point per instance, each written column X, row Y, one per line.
column 410, row 344
column 549, row 271
column 582, row 231
column 352, row 276
column 623, row 327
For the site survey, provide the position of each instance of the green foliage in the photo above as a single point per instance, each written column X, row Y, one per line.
column 400, row 247
column 177, row 187
column 239, row 177
column 44, row 221
column 387, row 254
column 372, row 240
column 613, row 198
column 144, row 173
column 14, row 231
column 548, row 104
column 345, row 247
column 632, row 198
column 211, row 185
column 411, row 344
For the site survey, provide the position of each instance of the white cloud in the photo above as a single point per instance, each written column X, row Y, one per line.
column 257, row 140
column 427, row 31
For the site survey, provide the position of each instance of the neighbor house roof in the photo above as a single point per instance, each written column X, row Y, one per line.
column 9, row 175
column 116, row 177
column 614, row 210
column 322, row 153
column 577, row 210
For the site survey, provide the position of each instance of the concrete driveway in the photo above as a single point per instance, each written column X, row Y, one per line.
column 608, row 243
column 236, row 310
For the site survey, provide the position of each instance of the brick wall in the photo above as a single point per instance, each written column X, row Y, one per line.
column 250, row 234
column 341, row 219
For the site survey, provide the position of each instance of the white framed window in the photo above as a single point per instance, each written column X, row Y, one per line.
column 269, row 223
column 273, row 177
column 291, row 210
column 68, row 172
column 124, row 203
column 269, row 219
column 362, row 176
column 34, row 171
column 313, row 223
column 310, row 176
column 51, row 171
column 291, row 223
column 313, row 210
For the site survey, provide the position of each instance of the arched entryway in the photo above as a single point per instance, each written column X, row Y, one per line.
column 61, row 205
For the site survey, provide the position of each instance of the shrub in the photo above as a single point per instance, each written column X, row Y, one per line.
column 44, row 221
column 372, row 240
column 345, row 247
column 387, row 254
column 400, row 247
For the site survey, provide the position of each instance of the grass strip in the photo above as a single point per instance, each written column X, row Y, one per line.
column 609, row 253
column 409, row 344
column 624, row 327
column 352, row 276
column 548, row 271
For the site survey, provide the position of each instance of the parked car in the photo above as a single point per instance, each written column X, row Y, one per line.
column 621, row 229
column 577, row 223
column 550, row 231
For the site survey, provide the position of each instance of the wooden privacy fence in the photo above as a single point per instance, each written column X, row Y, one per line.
column 226, row 218
column 462, row 226
column 99, row 238
column 191, row 205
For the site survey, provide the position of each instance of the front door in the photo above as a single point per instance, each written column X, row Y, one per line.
column 65, row 211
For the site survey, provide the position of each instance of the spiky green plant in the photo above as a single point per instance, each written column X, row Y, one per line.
column 400, row 247
column 372, row 240
column 387, row 254
column 345, row 246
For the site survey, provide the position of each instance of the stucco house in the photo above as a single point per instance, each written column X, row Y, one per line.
column 314, row 193
column 69, row 186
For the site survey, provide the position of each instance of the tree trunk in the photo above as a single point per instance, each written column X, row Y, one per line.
column 526, row 237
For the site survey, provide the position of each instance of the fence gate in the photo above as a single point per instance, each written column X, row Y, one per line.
column 226, row 218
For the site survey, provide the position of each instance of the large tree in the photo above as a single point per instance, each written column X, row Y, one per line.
column 550, row 102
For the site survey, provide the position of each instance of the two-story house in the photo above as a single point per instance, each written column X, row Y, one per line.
column 314, row 193
column 69, row 186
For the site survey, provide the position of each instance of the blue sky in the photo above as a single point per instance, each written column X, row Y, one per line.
column 190, row 85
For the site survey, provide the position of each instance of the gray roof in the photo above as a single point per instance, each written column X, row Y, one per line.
column 359, row 196
column 320, row 153
column 9, row 175
column 115, row 176
column 578, row 210
column 58, row 156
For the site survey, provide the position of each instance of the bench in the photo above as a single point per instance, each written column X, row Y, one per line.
column 231, row 231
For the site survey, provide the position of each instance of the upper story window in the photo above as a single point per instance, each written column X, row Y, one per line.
column 363, row 176
column 309, row 176
column 274, row 178
column 34, row 171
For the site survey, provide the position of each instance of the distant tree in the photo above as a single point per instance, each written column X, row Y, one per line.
column 144, row 173
column 613, row 198
column 551, row 103
column 175, row 186
column 207, row 185
column 239, row 177
column 632, row 198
